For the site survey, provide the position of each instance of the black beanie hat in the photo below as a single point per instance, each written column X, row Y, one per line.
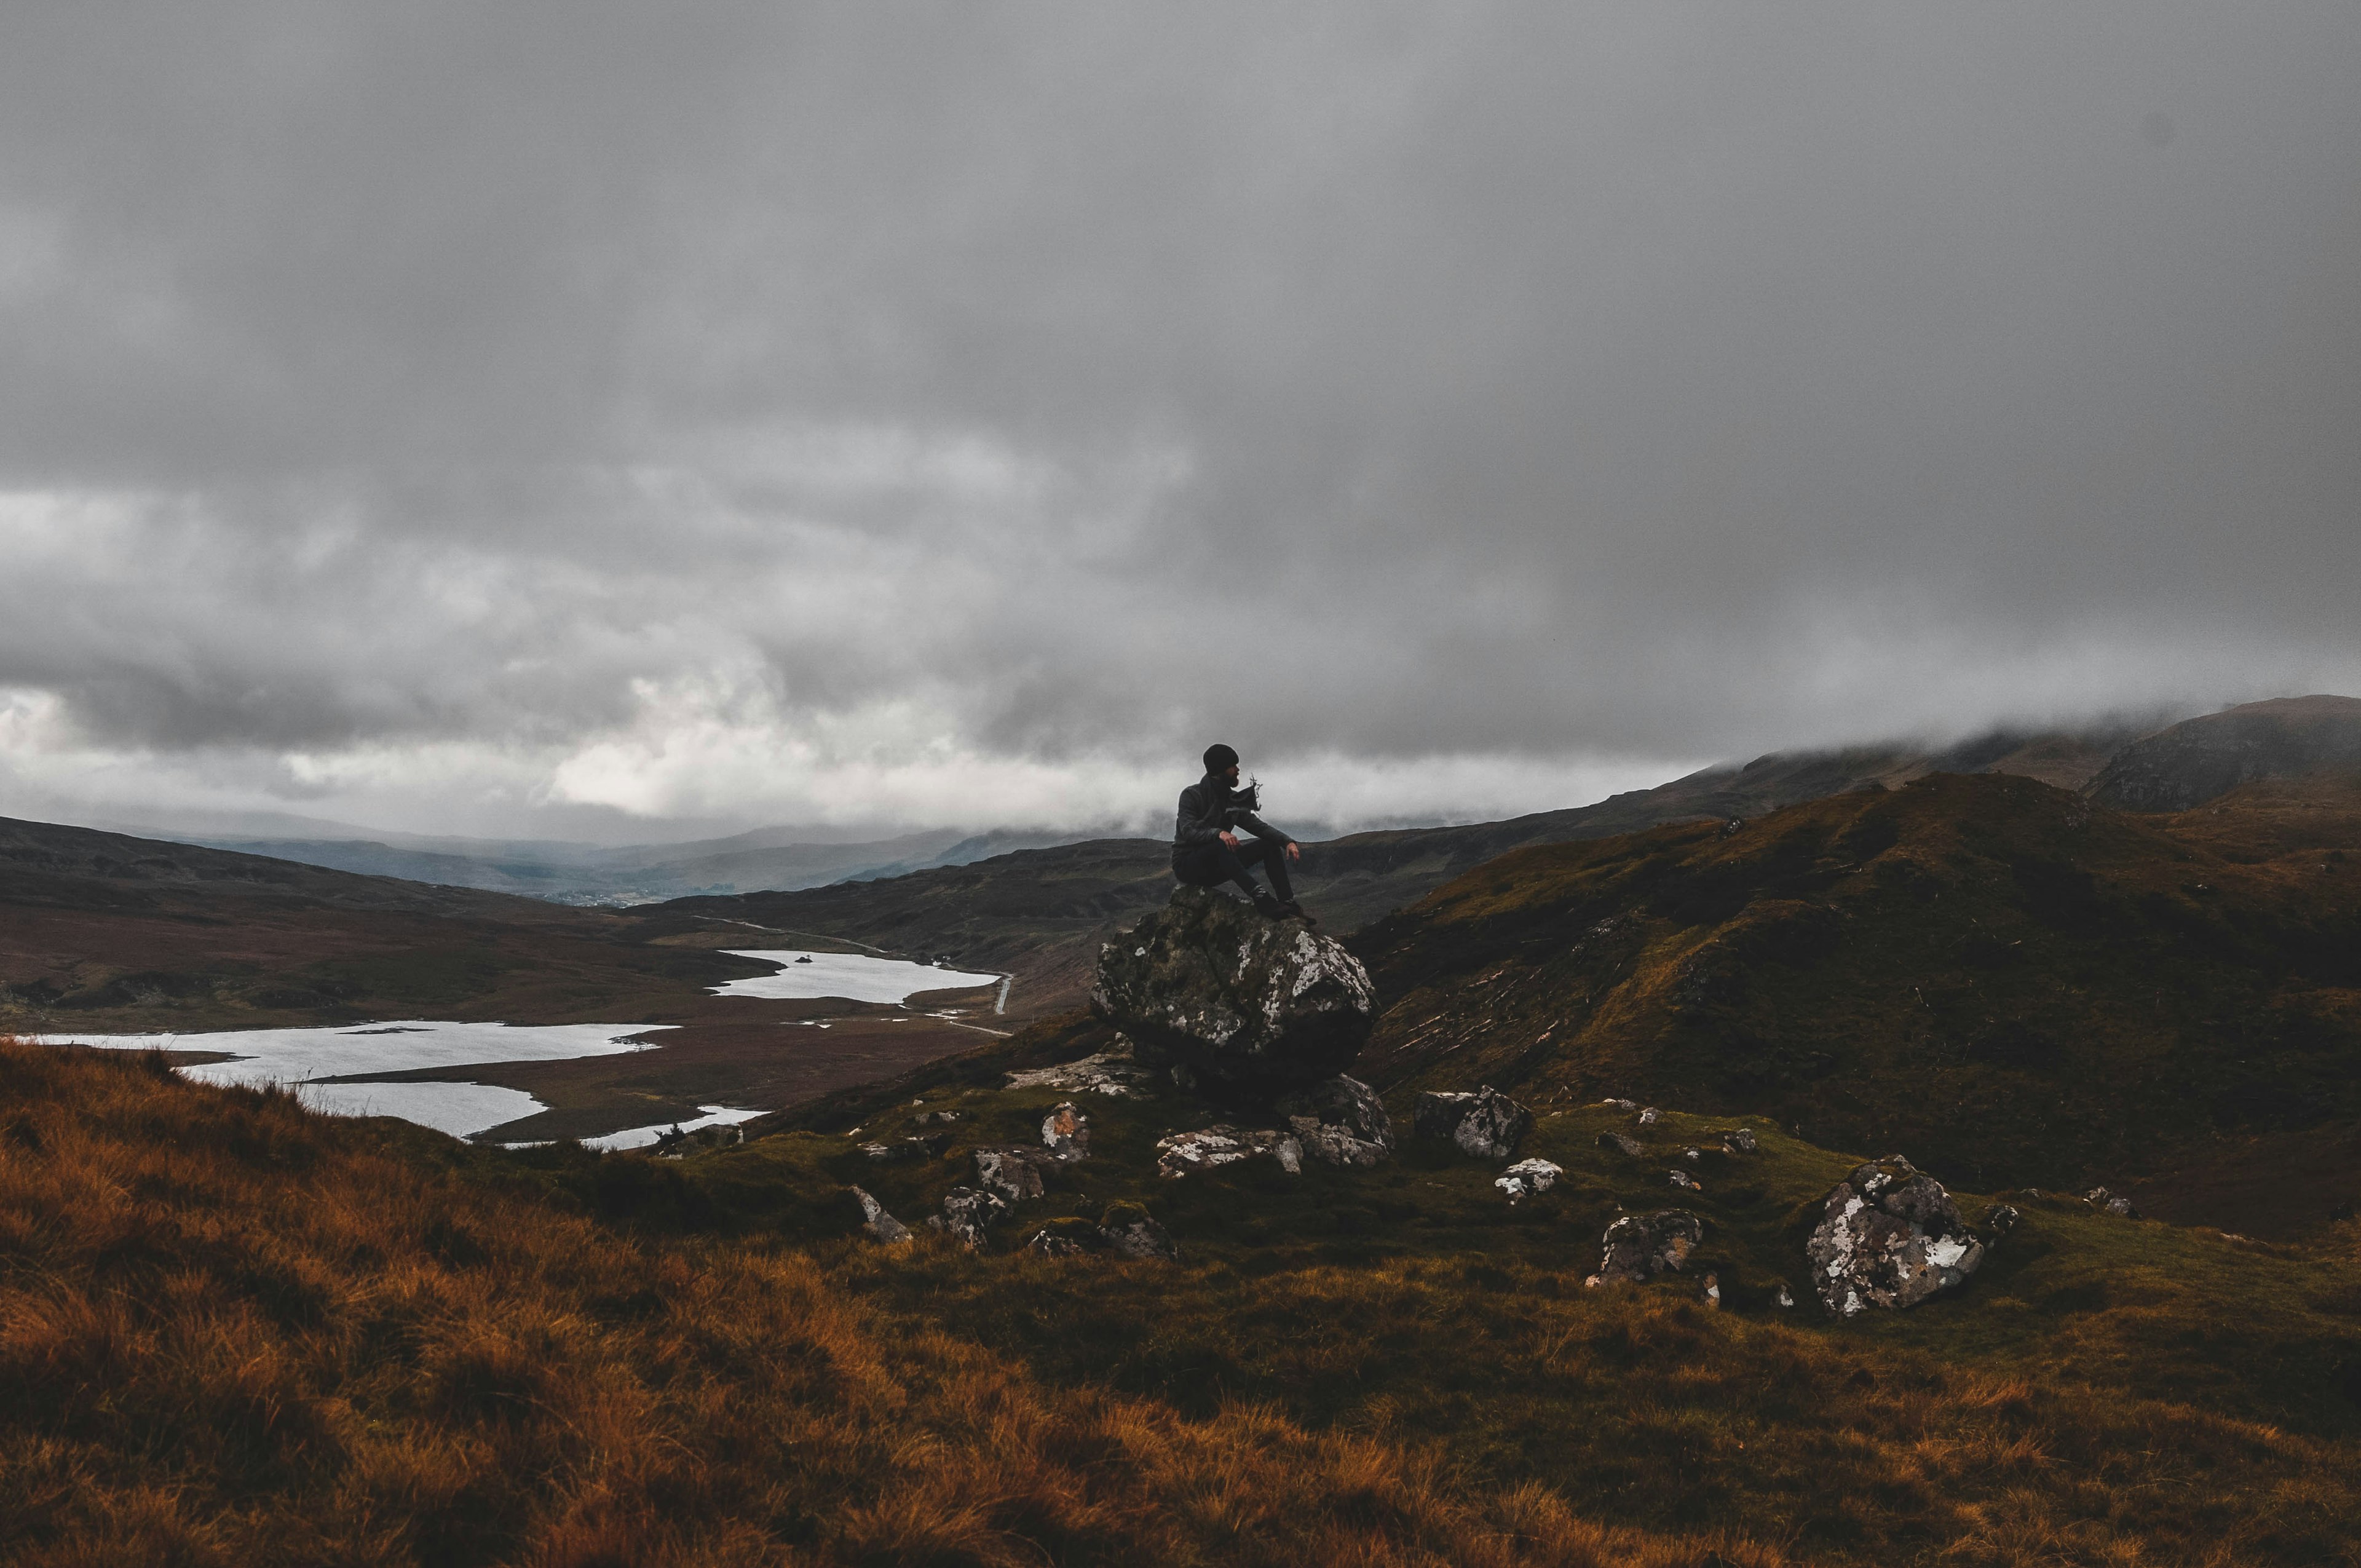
column 1219, row 757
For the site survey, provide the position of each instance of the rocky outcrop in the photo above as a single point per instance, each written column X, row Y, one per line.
column 1011, row 1170
column 1235, row 1001
column 1528, row 1176
column 1487, row 1123
column 1115, row 1071
column 1623, row 1144
column 1209, row 1148
column 969, row 1214
column 1066, row 1135
column 1340, row 1120
column 1889, row 1236
column 1638, row 1248
column 876, row 1223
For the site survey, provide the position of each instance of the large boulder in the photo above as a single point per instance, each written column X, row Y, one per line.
column 1889, row 1236
column 1236, row 1000
column 1340, row 1120
column 1487, row 1123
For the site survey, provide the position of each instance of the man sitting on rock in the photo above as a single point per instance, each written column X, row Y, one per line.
column 1206, row 853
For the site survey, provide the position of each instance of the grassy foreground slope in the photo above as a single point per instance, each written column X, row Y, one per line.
column 1997, row 977
column 235, row 1333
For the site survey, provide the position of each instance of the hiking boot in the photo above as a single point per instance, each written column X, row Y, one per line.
column 1266, row 904
column 1297, row 911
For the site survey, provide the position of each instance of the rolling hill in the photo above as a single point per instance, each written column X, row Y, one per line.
column 1999, row 976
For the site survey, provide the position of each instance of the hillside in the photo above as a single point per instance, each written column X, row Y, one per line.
column 236, row 1333
column 1041, row 914
column 2196, row 759
column 2004, row 980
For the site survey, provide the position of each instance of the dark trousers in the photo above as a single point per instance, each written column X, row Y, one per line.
column 1210, row 865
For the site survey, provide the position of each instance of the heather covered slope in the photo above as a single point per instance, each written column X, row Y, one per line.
column 235, row 1333
column 2010, row 983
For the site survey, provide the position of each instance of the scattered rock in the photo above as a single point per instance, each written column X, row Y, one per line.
column 1486, row 1124
column 1742, row 1141
column 1010, row 1170
column 1684, row 1181
column 1114, row 1071
column 967, row 1214
column 1066, row 1238
column 1210, row 1147
column 1889, row 1236
column 1649, row 1115
column 1128, row 1229
column 1621, row 1104
column 1785, row 1296
column 877, row 1151
column 1621, row 1142
column 931, row 1118
column 1711, row 1294
column 1066, row 1134
column 2001, row 1219
column 2100, row 1198
column 1242, row 1001
column 1527, row 1176
column 880, row 1226
column 1340, row 1120
column 1692, row 1156
column 1639, row 1247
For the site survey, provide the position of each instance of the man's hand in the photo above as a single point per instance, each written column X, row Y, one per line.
column 1229, row 838
column 1294, row 850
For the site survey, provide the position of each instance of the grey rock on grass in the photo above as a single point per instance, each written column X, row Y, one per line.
column 1209, row 1148
column 1889, row 1236
column 1010, row 1170
column 969, row 1214
column 1638, row 1248
column 1066, row 1134
column 1340, row 1120
column 1487, row 1123
column 879, row 1225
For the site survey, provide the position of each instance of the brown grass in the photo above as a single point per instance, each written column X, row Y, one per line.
column 235, row 1333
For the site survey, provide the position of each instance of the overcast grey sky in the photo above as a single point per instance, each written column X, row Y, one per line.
column 579, row 418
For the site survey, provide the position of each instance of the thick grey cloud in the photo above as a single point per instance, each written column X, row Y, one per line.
column 962, row 411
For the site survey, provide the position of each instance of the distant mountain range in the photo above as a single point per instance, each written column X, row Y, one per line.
column 641, row 873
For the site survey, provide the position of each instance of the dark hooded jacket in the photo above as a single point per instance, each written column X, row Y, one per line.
column 1206, row 809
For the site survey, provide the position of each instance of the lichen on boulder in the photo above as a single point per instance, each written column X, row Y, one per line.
column 1889, row 1236
column 1011, row 1170
column 1487, row 1123
column 1340, row 1120
column 1528, row 1176
column 1066, row 1135
column 1638, row 1248
column 1209, row 1148
column 1234, row 999
column 969, row 1214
